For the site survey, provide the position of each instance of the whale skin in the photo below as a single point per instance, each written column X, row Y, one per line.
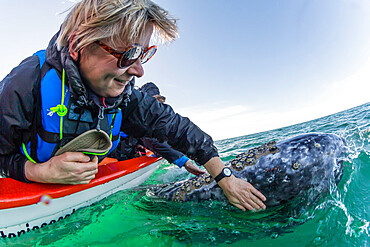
column 280, row 170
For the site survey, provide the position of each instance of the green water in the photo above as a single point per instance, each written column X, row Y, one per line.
column 130, row 218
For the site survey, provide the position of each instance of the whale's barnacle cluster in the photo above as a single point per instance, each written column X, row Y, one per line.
column 189, row 186
column 250, row 157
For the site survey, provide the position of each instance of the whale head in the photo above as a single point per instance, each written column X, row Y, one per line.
column 283, row 170
column 280, row 170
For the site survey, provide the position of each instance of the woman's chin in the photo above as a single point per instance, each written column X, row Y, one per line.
column 112, row 93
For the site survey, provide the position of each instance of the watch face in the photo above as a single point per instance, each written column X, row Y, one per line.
column 227, row 172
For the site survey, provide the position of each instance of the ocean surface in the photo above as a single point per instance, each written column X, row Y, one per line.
column 131, row 218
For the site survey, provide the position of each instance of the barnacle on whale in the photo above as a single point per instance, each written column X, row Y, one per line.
column 295, row 166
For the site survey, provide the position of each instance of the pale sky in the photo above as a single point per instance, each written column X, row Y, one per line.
column 238, row 67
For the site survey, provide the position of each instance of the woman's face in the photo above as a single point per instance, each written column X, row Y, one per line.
column 99, row 68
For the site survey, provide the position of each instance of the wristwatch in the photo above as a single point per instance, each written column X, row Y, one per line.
column 226, row 172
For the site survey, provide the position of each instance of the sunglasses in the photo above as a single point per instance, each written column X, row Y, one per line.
column 130, row 54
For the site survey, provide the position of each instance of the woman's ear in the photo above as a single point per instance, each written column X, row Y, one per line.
column 72, row 48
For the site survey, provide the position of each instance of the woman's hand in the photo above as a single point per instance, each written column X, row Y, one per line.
column 192, row 168
column 67, row 168
column 239, row 192
column 242, row 194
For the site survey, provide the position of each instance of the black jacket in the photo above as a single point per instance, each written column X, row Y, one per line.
column 142, row 114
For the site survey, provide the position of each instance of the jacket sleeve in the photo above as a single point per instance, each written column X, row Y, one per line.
column 17, row 99
column 144, row 116
column 165, row 150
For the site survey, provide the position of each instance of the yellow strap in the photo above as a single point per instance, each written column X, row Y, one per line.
column 26, row 153
column 61, row 109
column 111, row 127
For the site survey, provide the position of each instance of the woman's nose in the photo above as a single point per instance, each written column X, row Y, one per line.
column 136, row 69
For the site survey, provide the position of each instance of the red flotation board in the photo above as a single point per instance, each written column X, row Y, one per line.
column 30, row 206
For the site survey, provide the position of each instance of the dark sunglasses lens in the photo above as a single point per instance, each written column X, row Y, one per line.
column 130, row 56
column 148, row 54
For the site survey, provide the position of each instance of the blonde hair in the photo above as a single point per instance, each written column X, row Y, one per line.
column 114, row 21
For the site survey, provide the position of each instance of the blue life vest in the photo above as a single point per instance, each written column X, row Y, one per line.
column 62, row 121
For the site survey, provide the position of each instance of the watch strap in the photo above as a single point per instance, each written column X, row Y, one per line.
column 222, row 174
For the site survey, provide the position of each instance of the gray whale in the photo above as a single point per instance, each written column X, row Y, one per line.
column 281, row 171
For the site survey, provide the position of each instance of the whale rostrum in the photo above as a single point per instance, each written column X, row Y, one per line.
column 280, row 170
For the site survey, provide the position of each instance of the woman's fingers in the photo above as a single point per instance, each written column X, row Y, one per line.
column 258, row 194
column 243, row 195
column 256, row 202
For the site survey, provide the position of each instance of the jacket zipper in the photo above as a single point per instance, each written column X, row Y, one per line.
column 101, row 113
